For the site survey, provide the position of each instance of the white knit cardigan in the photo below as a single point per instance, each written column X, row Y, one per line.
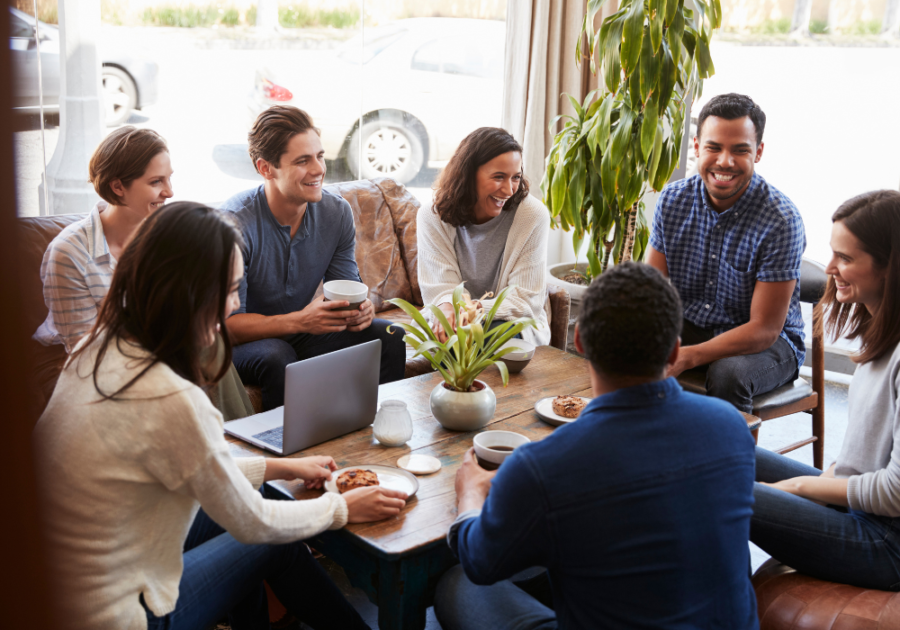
column 123, row 480
column 524, row 265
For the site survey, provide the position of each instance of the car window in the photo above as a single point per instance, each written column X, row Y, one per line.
column 375, row 42
column 19, row 27
column 449, row 55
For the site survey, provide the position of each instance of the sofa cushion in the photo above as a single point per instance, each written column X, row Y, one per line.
column 381, row 219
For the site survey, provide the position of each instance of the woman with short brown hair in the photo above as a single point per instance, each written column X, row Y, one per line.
column 485, row 230
column 841, row 524
column 132, row 173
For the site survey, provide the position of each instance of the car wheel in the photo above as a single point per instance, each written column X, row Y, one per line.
column 119, row 96
column 389, row 149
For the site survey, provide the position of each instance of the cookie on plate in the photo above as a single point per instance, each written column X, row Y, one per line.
column 568, row 406
column 356, row 478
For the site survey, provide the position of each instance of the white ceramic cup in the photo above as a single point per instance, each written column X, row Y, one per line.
column 347, row 291
column 486, row 443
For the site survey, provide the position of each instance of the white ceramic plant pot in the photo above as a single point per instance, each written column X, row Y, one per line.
column 576, row 291
column 463, row 411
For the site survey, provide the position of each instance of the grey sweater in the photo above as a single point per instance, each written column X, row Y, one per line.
column 870, row 456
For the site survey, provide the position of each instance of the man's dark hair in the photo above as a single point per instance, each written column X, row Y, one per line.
column 630, row 321
column 731, row 107
column 273, row 129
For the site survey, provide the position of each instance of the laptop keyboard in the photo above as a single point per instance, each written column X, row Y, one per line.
column 272, row 436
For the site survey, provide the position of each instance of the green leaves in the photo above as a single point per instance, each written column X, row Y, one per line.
column 632, row 37
column 653, row 55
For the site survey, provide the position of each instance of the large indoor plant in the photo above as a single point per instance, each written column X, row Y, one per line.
column 462, row 402
column 625, row 138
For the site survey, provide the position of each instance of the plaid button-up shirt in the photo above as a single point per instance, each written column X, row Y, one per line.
column 716, row 259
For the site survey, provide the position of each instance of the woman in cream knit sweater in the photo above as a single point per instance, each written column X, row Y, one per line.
column 484, row 229
column 131, row 448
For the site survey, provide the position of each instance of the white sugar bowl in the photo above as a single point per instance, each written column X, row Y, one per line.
column 393, row 425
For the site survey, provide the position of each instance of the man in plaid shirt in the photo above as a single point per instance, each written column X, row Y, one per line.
column 731, row 244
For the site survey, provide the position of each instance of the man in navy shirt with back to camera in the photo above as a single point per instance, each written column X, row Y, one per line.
column 732, row 245
column 639, row 510
column 295, row 235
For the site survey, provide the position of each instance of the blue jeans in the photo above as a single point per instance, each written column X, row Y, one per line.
column 507, row 605
column 828, row 543
column 223, row 576
column 263, row 362
column 738, row 379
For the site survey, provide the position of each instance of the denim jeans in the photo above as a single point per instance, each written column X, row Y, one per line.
column 263, row 362
column 738, row 379
column 507, row 605
column 829, row 543
column 222, row 576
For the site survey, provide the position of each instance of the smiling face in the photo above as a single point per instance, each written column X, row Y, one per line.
column 300, row 171
column 726, row 152
column 495, row 182
column 857, row 277
column 150, row 191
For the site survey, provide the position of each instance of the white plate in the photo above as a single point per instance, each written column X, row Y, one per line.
column 388, row 477
column 544, row 408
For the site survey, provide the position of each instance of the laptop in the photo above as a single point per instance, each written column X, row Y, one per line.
column 324, row 397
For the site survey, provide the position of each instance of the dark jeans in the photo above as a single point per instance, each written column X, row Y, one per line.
column 829, row 543
column 507, row 605
column 222, row 576
column 262, row 362
column 738, row 379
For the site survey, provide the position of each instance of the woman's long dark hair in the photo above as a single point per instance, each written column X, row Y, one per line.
column 874, row 219
column 455, row 193
column 169, row 287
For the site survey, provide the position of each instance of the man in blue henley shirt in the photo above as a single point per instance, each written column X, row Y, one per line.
column 295, row 236
column 639, row 510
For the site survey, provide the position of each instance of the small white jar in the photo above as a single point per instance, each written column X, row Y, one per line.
column 393, row 425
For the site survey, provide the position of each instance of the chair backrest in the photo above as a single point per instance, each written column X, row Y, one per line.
column 812, row 281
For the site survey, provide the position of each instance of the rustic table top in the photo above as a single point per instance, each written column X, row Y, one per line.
column 427, row 516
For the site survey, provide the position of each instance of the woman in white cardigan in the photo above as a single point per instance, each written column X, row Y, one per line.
column 131, row 448
column 484, row 229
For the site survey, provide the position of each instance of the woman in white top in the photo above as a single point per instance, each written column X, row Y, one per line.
column 131, row 448
column 484, row 229
column 132, row 173
column 842, row 524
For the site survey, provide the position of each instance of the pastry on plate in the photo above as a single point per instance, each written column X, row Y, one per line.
column 568, row 406
column 356, row 478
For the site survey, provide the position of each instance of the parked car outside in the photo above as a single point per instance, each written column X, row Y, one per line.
column 421, row 84
column 128, row 83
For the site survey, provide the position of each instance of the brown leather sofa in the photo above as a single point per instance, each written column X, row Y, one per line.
column 787, row 600
column 385, row 216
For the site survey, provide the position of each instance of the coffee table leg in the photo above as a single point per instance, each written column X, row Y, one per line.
column 403, row 594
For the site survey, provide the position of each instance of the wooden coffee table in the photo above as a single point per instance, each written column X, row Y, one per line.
column 398, row 562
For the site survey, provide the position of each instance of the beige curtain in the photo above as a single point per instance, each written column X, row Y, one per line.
column 540, row 68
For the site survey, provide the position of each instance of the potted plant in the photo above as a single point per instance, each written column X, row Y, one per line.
column 461, row 402
column 625, row 138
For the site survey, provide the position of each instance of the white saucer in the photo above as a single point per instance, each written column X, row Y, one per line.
column 419, row 464
column 388, row 477
column 544, row 408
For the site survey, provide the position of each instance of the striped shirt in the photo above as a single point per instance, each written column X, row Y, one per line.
column 76, row 271
column 715, row 259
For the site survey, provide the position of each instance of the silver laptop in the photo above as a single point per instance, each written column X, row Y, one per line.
column 324, row 397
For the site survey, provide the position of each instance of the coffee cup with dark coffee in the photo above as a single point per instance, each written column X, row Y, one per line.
column 346, row 291
column 493, row 447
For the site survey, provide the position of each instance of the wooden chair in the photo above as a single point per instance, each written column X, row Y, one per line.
column 799, row 395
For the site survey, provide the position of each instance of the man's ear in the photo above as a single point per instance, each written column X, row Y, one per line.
column 673, row 356
column 578, row 345
column 265, row 169
column 759, row 152
column 696, row 146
